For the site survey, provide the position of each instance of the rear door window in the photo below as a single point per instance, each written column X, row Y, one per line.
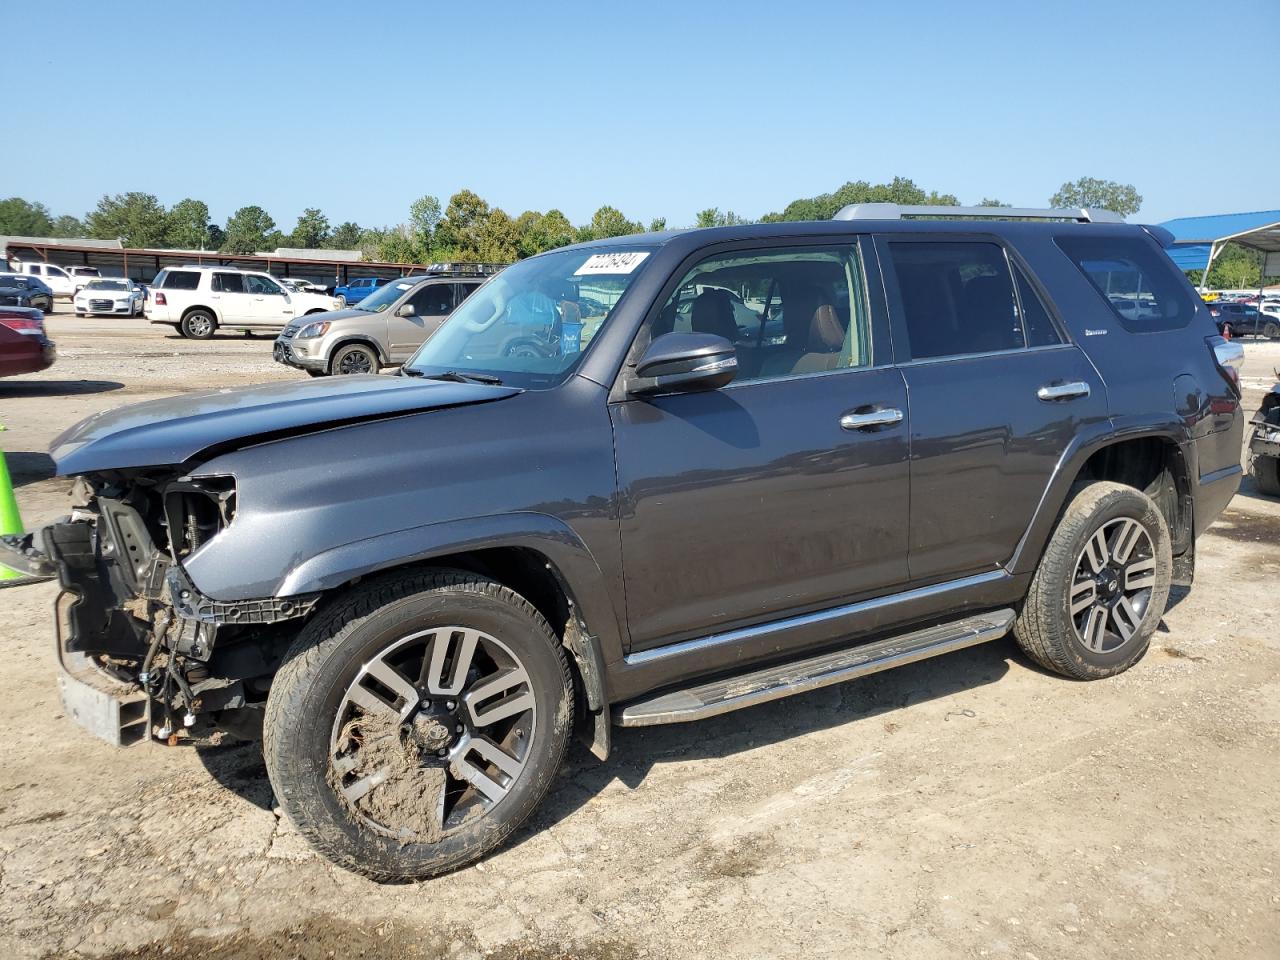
column 957, row 298
column 228, row 282
column 1040, row 329
column 1140, row 284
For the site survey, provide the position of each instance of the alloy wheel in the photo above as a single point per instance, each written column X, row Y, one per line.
column 432, row 733
column 1111, row 587
column 355, row 361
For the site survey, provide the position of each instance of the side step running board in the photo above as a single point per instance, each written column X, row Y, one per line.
column 773, row 683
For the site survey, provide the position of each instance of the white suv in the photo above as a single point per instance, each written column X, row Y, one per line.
column 55, row 278
column 199, row 300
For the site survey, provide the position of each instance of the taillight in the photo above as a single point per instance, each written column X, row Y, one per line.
column 23, row 325
column 160, row 300
column 1229, row 356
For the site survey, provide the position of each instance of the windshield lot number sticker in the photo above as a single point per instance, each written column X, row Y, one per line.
column 614, row 263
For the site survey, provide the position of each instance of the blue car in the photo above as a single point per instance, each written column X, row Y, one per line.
column 357, row 290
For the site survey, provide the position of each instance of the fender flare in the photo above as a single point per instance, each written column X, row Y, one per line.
column 357, row 338
column 571, row 562
column 1026, row 554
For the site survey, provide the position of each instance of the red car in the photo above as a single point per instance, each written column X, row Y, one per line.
column 24, row 348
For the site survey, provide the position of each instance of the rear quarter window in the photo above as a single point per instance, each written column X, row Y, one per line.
column 1141, row 285
column 178, row 280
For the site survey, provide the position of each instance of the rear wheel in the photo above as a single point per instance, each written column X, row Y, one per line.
column 354, row 358
column 1101, row 587
column 198, row 325
column 1266, row 474
column 1271, row 330
column 417, row 723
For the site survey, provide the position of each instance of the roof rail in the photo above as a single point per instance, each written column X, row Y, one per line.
column 892, row 211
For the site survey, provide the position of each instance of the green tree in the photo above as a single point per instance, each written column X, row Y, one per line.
column 424, row 219
column 610, row 222
column 137, row 219
column 993, row 203
column 247, row 231
column 1122, row 198
column 187, row 225
column 67, row 226
column 900, row 190
column 543, row 231
column 22, row 218
column 312, row 230
column 712, row 217
column 458, row 234
column 657, row 224
column 345, row 236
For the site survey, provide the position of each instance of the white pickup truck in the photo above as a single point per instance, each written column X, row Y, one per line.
column 198, row 300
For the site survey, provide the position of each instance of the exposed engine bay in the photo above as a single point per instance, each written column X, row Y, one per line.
column 143, row 653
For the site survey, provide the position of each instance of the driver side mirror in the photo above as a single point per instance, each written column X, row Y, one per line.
column 678, row 362
column 406, row 310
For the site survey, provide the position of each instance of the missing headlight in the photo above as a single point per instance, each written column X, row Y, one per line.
column 196, row 511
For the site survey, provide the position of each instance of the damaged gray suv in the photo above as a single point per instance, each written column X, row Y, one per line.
column 642, row 481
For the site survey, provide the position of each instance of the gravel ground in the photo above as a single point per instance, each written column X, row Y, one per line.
column 968, row 806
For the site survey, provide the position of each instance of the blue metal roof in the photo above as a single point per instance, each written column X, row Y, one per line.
column 1193, row 236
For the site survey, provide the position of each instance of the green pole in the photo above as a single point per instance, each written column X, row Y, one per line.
column 10, row 522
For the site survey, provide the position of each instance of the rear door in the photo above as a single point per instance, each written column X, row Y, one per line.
column 769, row 496
column 997, row 394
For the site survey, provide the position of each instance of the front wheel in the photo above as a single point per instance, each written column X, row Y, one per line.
column 342, row 301
column 417, row 722
column 198, row 325
column 1101, row 587
column 354, row 358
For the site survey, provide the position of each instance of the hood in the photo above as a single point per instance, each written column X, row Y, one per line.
column 178, row 429
column 330, row 315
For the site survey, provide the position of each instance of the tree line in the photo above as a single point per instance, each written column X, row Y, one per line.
column 468, row 228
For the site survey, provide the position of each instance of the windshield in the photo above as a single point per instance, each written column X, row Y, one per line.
column 384, row 297
column 530, row 325
column 106, row 285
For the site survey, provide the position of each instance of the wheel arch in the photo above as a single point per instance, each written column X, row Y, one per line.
column 1149, row 455
column 536, row 555
column 361, row 338
column 187, row 311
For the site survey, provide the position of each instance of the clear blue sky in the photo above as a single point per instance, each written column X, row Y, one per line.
column 658, row 108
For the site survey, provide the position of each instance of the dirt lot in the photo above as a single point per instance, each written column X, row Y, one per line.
column 968, row 806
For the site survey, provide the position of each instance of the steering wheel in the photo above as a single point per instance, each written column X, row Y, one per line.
column 529, row 347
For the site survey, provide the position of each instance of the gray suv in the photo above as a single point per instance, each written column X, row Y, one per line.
column 383, row 329
column 640, row 481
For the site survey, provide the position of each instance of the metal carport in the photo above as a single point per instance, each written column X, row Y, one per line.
column 1197, row 241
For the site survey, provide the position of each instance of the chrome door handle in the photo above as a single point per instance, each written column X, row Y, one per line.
column 1063, row 391
column 876, row 418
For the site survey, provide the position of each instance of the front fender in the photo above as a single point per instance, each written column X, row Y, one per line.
column 544, row 534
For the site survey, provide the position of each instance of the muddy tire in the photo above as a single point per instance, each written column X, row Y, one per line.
column 198, row 325
column 417, row 722
column 1101, row 587
column 1266, row 474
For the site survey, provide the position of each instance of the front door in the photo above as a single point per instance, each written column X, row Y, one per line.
column 997, row 393
column 786, row 490
column 269, row 305
column 430, row 304
column 227, row 291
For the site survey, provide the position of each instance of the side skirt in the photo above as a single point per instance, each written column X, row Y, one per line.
column 773, row 683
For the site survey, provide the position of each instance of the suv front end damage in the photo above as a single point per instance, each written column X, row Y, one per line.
column 142, row 653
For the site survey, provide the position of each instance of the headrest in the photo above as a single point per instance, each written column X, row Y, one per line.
column 713, row 313
column 826, row 334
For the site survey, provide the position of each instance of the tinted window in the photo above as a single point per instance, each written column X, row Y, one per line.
column 466, row 289
column 957, row 298
column 790, row 311
column 433, row 300
column 1141, row 284
column 228, row 282
column 179, row 280
column 1035, row 318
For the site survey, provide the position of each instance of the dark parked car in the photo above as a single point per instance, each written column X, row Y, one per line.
column 24, row 348
column 1264, row 444
column 419, row 587
column 1243, row 319
column 19, row 291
